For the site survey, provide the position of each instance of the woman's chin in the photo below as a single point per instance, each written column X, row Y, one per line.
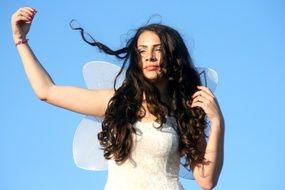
column 155, row 79
column 153, row 76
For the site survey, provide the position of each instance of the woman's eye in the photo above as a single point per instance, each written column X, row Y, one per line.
column 157, row 49
column 141, row 51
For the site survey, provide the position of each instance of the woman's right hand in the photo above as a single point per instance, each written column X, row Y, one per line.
column 21, row 22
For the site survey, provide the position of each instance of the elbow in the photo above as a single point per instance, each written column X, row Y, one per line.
column 42, row 98
column 43, row 94
column 208, row 184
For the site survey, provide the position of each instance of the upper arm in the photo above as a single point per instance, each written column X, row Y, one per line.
column 84, row 101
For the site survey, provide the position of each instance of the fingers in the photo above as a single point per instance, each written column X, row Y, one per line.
column 205, row 99
column 203, row 89
column 21, row 22
column 202, row 98
column 28, row 10
column 20, row 18
column 204, row 92
column 198, row 104
column 202, row 102
column 25, row 14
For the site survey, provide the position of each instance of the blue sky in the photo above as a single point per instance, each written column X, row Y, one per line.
column 242, row 40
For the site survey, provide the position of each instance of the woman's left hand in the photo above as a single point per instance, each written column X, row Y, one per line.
column 205, row 99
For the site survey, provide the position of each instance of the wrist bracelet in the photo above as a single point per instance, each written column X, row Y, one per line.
column 21, row 42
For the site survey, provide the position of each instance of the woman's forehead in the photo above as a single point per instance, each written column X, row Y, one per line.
column 148, row 38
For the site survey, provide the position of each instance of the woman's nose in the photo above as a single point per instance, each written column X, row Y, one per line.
column 151, row 57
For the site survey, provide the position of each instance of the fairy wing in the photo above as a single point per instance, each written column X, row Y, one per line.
column 209, row 77
column 86, row 148
column 87, row 153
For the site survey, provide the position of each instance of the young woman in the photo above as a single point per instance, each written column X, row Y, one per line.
column 155, row 117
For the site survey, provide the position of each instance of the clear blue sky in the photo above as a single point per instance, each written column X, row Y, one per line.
column 243, row 40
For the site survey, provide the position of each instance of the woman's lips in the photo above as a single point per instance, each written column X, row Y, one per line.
column 151, row 67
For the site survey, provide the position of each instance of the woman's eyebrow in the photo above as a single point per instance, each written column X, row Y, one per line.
column 145, row 46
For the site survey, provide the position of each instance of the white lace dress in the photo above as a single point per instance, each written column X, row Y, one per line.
column 154, row 161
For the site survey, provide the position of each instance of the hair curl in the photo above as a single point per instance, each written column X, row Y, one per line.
column 124, row 108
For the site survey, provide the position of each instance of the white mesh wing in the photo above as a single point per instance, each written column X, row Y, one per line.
column 86, row 147
column 209, row 77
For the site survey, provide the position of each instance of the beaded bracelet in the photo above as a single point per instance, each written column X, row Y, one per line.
column 21, row 42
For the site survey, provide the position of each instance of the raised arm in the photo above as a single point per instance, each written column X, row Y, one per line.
column 85, row 101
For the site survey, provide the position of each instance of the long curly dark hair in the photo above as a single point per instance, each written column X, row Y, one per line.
column 125, row 107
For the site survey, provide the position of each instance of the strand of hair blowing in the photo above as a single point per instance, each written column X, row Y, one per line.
column 124, row 108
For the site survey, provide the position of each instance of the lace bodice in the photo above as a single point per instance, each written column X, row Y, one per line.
column 154, row 161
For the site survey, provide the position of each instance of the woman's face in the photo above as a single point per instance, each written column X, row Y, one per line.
column 149, row 48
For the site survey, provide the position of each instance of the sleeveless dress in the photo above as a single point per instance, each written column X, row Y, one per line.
column 154, row 161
